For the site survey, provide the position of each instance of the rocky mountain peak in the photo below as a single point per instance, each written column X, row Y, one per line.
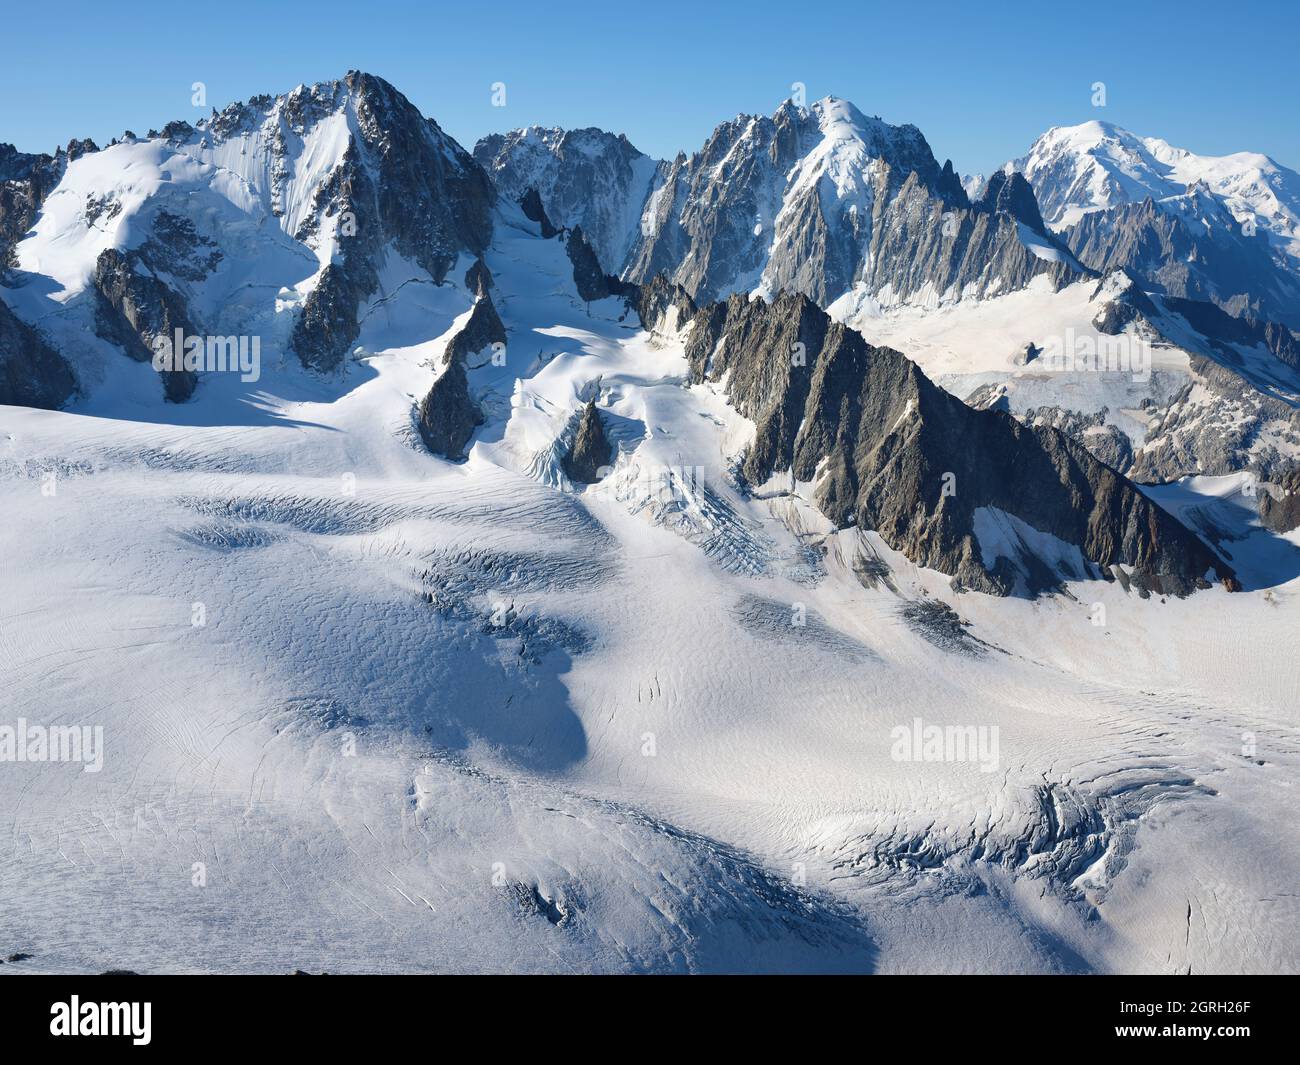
column 1002, row 507
column 590, row 452
column 1011, row 194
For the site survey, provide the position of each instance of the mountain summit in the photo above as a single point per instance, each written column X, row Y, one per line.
column 822, row 200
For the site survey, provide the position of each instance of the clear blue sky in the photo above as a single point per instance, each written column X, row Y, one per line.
column 980, row 80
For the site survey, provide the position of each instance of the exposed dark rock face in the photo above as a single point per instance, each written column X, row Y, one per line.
column 659, row 303
column 1279, row 501
column 32, row 374
column 139, row 291
column 135, row 306
column 402, row 183
column 1010, row 194
column 1211, row 427
column 25, row 181
column 175, row 247
column 950, row 187
column 1238, row 412
column 78, row 148
column 478, row 278
column 590, row 450
column 328, row 323
column 888, row 450
column 587, row 275
column 919, row 242
column 482, row 329
column 531, row 204
column 431, row 199
column 1106, row 442
column 448, row 414
column 1192, row 248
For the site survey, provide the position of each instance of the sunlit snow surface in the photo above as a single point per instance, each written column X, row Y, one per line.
column 469, row 717
column 1096, row 164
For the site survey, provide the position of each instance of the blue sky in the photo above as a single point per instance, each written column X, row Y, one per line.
column 980, row 80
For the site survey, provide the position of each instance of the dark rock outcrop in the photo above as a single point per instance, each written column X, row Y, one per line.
column 659, row 303
column 531, row 204
column 589, row 278
column 590, row 450
column 1279, row 501
column 448, row 414
column 1011, row 194
column 482, row 329
column 584, row 177
column 478, row 278
column 888, row 450
column 32, row 374
column 1218, row 326
column 139, row 292
column 1131, row 305
column 328, row 323
column 135, row 307
column 25, row 181
column 1107, row 442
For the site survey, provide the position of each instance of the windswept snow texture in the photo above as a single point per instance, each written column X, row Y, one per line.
column 365, row 709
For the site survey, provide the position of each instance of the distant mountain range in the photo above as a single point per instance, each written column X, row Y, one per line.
column 1225, row 228
column 293, row 218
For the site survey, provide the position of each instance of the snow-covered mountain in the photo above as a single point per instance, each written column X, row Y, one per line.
column 523, row 611
column 1095, row 165
column 277, row 218
column 1221, row 228
column 584, row 177
column 821, row 200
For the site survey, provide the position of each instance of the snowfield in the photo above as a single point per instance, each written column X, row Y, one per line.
column 365, row 709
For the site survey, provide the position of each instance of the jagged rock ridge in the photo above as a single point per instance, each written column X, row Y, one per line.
column 448, row 414
column 590, row 451
column 819, row 200
column 969, row 493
